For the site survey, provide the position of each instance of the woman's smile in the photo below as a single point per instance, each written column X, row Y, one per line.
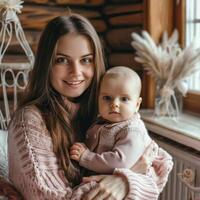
column 74, row 83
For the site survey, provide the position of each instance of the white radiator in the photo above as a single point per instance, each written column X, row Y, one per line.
column 183, row 158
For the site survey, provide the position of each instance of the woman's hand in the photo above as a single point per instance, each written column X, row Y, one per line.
column 109, row 187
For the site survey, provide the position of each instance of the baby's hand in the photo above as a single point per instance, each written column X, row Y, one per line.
column 77, row 150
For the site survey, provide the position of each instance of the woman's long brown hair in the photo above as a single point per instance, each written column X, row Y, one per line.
column 40, row 93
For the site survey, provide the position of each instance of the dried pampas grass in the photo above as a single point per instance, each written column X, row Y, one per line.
column 167, row 62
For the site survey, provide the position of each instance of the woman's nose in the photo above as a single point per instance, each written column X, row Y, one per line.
column 76, row 68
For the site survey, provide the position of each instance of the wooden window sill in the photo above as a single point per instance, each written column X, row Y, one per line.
column 186, row 130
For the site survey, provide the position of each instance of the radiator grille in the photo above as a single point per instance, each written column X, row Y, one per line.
column 183, row 158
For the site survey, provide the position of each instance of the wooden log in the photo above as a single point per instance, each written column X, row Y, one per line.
column 71, row 1
column 125, row 1
column 129, row 19
column 10, row 92
column 36, row 17
column 14, row 59
column 120, row 39
column 125, row 59
column 64, row 2
column 32, row 38
column 127, row 8
column 86, row 2
column 38, row 1
column 99, row 25
column 96, row 2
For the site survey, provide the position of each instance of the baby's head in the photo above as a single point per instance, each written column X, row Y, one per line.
column 119, row 95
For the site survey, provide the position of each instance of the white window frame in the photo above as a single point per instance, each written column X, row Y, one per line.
column 193, row 35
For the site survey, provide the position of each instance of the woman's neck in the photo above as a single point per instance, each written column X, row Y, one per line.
column 72, row 106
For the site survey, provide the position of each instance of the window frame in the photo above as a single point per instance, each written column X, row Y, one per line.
column 192, row 98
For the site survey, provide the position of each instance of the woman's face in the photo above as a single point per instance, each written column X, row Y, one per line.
column 73, row 67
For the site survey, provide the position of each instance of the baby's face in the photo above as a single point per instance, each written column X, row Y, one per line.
column 118, row 99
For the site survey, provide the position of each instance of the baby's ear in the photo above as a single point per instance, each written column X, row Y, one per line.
column 139, row 101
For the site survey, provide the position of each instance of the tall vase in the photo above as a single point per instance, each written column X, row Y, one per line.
column 168, row 101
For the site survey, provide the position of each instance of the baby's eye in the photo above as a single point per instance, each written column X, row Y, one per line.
column 62, row 60
column 107, row 98
column 124, row 99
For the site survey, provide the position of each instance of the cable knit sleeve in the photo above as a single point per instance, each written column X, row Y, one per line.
column 140, row 186
column 33, row 166
column 149, row 186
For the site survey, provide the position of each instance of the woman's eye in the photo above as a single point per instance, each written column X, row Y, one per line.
column 62, row 60
column 107, row 98
column 124, row 99
column 87, row 60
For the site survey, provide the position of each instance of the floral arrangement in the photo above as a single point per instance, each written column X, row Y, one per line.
column 169, row 65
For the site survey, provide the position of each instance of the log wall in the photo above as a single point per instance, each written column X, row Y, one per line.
column 114, row 21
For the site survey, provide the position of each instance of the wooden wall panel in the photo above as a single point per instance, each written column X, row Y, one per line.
column 32, row 38
column 36, row 17
column 125, row 1
column 64, row 2
column 122, row 20
column 129, row 19
column 159, row 17
column 191, row 102
column 126, row 8
column 124, row 59
column 120, row 38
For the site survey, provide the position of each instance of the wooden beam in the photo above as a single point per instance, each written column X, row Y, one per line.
column 180, row 23
column 191, row 102
column 159, row 16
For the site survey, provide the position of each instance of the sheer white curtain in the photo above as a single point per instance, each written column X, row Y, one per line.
column 193, row 35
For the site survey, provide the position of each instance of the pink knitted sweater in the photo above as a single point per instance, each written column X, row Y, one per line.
column 34, row 169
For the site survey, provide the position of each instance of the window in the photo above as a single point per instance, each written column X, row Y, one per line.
column 193, row 35
column 167, row 15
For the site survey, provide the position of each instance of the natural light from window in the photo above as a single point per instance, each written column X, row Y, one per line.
column 193, row 34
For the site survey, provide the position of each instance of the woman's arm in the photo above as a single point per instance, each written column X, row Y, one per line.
column 33, row 166
column 152, row 184
column 124, row 184
column 138, row 186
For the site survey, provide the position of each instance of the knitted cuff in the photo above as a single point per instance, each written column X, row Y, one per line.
column 140, row 186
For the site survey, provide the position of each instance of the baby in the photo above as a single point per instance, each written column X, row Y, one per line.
column 118, row 138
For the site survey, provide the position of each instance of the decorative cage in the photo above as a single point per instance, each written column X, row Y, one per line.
column 13, row 75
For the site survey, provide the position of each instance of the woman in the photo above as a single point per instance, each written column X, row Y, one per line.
column 58, row 108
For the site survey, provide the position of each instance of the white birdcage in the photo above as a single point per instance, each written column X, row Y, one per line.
column 13, row 75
